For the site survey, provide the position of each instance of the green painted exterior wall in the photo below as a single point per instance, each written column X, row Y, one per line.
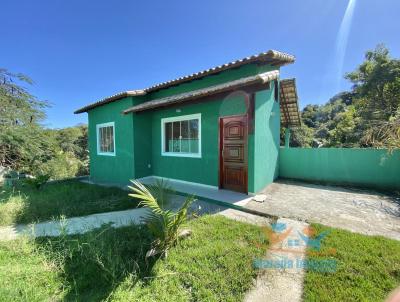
column 374, row 168
column 119, row 168
column 138, row 136
column 202, row 170
column 264, row 145
column 143, row 142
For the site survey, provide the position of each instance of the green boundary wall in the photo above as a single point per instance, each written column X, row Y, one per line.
column 372, row 168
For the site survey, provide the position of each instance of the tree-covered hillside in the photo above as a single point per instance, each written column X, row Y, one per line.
column 366, row 116
column 25, row 145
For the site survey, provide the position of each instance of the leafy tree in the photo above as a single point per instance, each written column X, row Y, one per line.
column 366, row 116
column 377, row 88
column 300, row 137
column 17, row 106
column 73, row 143
column 344, row 133
column 377, row 84
column 25, row 145
column 20, row 113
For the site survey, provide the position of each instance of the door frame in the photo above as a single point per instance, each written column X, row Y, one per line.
column 220, row 148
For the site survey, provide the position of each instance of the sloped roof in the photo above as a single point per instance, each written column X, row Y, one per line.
column 273, row 57
column 290, row 116
column 191, row 95
column 110, row 99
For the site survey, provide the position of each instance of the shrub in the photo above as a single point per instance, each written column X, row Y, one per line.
column 163, row 224
column 38, row 181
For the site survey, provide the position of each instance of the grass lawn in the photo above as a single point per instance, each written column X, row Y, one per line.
column 25, row 204
column 368, row 268
column 214, row 264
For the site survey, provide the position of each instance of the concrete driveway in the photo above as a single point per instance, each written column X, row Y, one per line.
column 360, row 211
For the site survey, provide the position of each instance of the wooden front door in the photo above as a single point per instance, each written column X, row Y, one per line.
column 233, row 153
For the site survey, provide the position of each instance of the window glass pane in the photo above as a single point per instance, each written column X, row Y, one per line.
column 111, row 139
column 168, row 137
column 185, row 137
column 176, row 134
column 181, row 136
column 194, row 128
column 103, row 146
column 106, row 139
column 185, row 129
column 194, row 136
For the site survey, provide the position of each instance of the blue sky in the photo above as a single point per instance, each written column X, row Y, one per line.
column 80, row 51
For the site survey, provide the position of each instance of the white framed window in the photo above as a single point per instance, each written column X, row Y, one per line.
column 181, row 136
column 106, row 139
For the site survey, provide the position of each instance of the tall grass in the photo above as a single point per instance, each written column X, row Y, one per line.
column 109, row 264
column 24, row 204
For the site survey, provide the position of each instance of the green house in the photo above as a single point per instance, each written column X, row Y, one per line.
column 219, row 127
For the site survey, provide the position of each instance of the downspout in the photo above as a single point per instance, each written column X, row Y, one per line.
column 287, row 138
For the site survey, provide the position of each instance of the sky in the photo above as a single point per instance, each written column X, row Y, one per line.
column 80, row 51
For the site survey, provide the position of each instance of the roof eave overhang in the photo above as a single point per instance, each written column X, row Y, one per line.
column 289, row 104
column 110, row 99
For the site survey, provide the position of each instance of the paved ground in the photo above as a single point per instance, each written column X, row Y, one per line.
column 361, row 211
column 208, row 192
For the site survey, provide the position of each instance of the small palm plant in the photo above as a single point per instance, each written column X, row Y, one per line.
column 163, row 224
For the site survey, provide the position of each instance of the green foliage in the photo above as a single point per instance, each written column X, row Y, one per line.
column 17, row 106
column 344, row 133
column 368, row 268
column 161, row 190
column 38, row 181
column 73, row 145
column 21, row 142
column 25, row 145
column 163, row 224
column 302, row 137
column 367, row 116
column 62, row 165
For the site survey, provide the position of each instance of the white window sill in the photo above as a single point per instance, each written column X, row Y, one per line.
column 106, row 154
column 177, row 154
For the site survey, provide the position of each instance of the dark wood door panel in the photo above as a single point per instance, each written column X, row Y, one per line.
column 234, row 178
column 233, row 153
column 234, row 130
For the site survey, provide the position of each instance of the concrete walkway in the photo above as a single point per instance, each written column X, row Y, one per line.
column 202, row 191
column 360, row 211
column 75, row 225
